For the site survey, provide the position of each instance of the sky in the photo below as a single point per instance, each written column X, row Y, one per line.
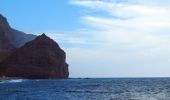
column 102, row 38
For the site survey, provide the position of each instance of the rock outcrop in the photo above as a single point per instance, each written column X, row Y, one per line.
column 5, row 45
column 28, row 56
column 11, row 38
column 15, row 37
column 39, row 58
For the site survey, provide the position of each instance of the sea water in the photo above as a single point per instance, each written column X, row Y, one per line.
column 87, row 89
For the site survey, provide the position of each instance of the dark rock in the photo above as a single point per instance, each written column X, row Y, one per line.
column 5, row 43
column 39, row 58
column 17, row 38
column 11, row 38
column 6, row 46
column 4, row 25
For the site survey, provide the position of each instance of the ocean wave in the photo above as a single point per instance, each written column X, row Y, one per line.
column 12, row 81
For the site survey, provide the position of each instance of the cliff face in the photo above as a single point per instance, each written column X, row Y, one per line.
column 11, row 38
column 5, row 45
column 39, row 58
column 15, row 37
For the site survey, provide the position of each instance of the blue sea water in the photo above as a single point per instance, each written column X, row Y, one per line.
column 87, row 89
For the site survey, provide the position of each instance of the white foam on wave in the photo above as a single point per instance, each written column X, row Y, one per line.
column 12, row 81
column 16, row 80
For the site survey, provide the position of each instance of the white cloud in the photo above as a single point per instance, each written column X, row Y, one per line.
column 135, row 36
column 142, row 26
column 119, row 9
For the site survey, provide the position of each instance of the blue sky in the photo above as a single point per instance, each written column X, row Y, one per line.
column 41, row 15
column 102, row 38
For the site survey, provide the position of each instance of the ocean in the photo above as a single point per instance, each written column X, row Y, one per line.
column 86, row 89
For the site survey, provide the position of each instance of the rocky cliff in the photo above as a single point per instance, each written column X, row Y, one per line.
column 28, row 56
column 39, row 58
column 15, row 37
column 11, row 38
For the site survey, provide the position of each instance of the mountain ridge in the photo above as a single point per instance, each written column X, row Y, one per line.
column 30, row 56
column 15, row 37
column 10, row 38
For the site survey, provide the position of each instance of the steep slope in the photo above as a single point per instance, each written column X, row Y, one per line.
column 5, row 45
column 40, row 58
column 11, row 38
column 4, row 41
column 17, row 38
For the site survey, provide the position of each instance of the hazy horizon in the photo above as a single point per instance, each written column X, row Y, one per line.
column 102, row 38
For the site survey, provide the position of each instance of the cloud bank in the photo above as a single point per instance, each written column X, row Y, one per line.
column 130, row 39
